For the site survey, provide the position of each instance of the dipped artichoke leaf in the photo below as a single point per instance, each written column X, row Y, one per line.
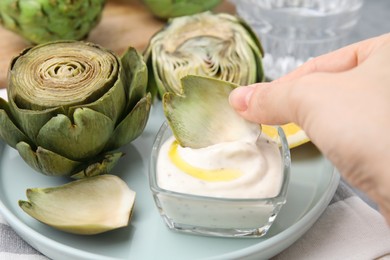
column 81, row 139
column 9, row 132
column 86, row 206
column 136, row 75
column 46, row 161
column 203, row 116
column 132, row 125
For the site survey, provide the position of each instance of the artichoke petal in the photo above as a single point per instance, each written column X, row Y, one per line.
column 203, row 116
column 136, row 75
column 84, row 138
column 31, row 121
column 87, row 206
column 9, row 132
column 100, row 167
column 46, row 162
column 132, row 125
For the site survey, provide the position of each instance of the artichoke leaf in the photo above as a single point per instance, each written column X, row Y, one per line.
column 31, row 121
column 82, row 139
column 9, row 132
column 110, row 104
column 46, row 162
column 99, row 167
column 86, row 206
column 132, row 125
column 136, row 75
column 203, row 116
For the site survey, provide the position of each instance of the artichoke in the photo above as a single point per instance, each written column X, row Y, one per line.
column 173, row 8
column 70, row 103
column 205, row 44
column 202, row 115
column 88, row 206
column 41, row 21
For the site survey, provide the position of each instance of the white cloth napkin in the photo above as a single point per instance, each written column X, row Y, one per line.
column 348, row 229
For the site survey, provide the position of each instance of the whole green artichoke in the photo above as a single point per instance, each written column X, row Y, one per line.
column 174, row 8
column 70, row 103
column 41, row 21
column 206, row 44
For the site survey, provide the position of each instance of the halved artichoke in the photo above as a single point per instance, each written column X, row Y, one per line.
column 88, row 206
column 205, row 44
column 40, row 21
column 173, row 8
column 71, row 103
column 202, row 115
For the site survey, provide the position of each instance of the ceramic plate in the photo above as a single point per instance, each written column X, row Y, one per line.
column 313, row 183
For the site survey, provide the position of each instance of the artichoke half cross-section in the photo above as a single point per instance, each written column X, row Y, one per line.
column 70, row 104
column 206, row 44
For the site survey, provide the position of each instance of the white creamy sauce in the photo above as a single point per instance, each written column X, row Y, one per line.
column 258, row 164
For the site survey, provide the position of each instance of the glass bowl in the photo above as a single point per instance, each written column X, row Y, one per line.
column 216, row 216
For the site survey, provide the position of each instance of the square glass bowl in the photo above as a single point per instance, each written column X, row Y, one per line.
column 215, row 216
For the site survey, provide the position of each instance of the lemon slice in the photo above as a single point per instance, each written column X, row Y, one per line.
column 294, row 134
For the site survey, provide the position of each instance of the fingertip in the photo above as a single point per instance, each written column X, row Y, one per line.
column 239, row 97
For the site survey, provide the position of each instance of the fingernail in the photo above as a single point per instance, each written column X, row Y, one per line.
column 239, row 97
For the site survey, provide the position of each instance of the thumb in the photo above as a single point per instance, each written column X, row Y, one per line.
column 265, row 103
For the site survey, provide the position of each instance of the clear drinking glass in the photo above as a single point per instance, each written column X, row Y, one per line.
column 212, row 216
column 293, row 31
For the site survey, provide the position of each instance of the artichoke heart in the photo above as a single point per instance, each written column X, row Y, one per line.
column 202, row 116
column 40, row 21
column 205, row 44
column 88, row 206
column 71, row 103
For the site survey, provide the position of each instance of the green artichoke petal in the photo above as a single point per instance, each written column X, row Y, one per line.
column 132, row 125
column 84, row 138
column 203, row 116
column 88, row 206
column 136, row 75
column 111, row 104
column 47, row 162
column 31, row 121
column 9, row 132
column 102, row 166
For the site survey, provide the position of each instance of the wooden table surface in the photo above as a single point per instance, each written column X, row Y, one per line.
column 124, row 23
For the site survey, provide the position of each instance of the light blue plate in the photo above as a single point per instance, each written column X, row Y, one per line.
column 313, row 183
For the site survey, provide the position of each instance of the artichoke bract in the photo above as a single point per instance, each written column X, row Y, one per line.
column 71, row 103
column 173, row 8
column 206, row 44
column 202, row 115
column 40, row 21
column 87, row 207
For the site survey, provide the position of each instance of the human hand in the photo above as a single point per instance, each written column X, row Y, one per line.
column 342, row 102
